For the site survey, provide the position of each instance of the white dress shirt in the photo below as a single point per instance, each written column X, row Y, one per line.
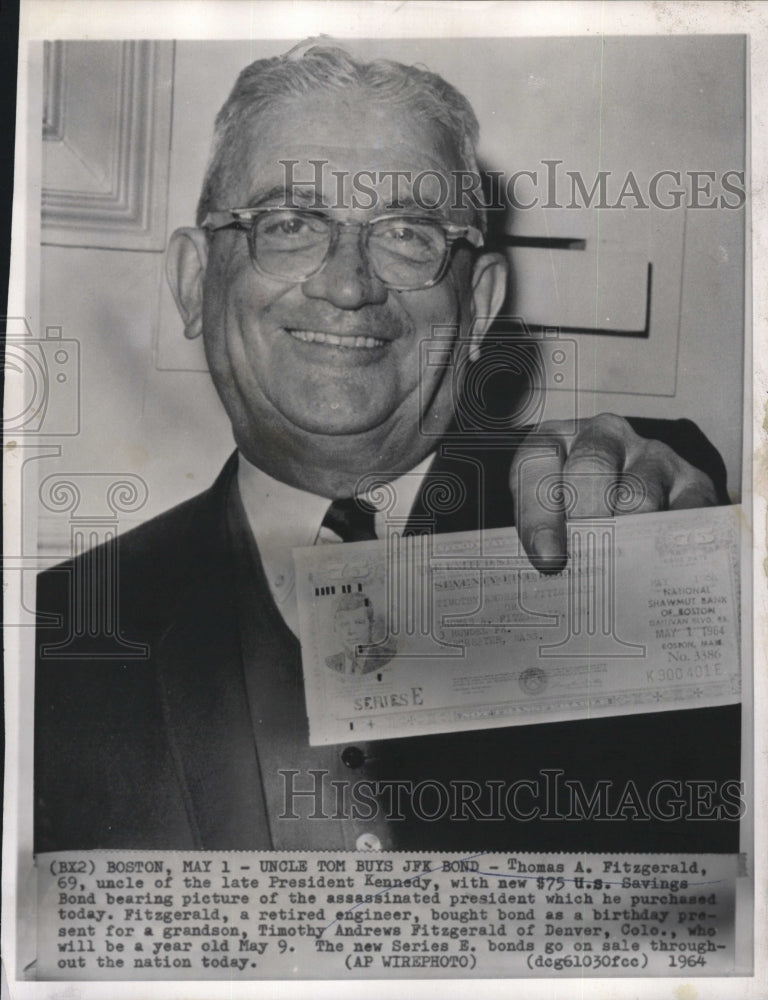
column 282, row 518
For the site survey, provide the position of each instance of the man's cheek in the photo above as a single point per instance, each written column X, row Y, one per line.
column 249, row 297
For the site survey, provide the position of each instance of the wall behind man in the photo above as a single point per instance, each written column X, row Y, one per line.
column 618, row 105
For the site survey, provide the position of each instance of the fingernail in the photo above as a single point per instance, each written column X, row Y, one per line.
column 547, row 553
column 545, row 543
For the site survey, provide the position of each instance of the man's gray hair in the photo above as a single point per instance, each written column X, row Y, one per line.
column 266, row 82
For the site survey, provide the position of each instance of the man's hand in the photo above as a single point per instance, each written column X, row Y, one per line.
column 602, row 470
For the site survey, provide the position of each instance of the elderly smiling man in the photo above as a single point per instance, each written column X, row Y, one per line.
column 313, row 295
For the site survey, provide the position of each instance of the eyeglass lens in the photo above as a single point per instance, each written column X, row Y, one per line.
column 402, row 252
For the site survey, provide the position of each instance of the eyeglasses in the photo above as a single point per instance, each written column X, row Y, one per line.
column 405, row 252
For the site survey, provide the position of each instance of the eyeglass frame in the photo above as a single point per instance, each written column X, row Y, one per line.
column 242, row 218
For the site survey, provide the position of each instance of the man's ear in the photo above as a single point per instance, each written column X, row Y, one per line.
column 489, row 288
column 185, row 262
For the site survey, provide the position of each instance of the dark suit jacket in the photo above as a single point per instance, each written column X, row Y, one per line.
column 145, row 738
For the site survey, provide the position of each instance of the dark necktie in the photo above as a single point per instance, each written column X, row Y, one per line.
column 352, row 519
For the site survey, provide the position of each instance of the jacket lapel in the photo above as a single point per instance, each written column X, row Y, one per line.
column 203, row 690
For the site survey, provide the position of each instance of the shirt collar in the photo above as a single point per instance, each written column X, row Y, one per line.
column 280, row 516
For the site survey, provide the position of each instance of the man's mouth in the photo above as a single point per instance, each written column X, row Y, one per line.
column 334, row 340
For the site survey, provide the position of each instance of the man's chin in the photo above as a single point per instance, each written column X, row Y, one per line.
column 337, row 422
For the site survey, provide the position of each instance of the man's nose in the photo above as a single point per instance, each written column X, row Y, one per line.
column 346, row 280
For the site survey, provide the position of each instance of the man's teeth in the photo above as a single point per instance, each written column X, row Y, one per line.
column 317, row 337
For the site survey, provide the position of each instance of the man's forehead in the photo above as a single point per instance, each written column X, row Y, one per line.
column 340, row 176
column 400, row 154
column 327, row 149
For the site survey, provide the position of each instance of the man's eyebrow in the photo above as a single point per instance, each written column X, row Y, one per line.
column 281, row 195
column 407, row 203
